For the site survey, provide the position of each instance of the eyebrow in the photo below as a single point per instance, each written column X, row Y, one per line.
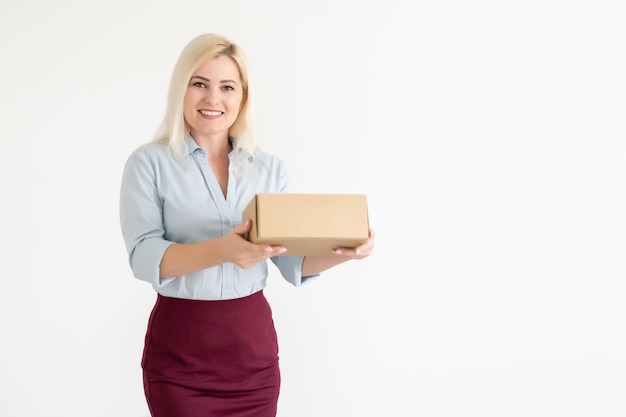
column 207, row 80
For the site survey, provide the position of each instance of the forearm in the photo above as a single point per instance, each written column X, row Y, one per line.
column 316, row 264
column 182, row 259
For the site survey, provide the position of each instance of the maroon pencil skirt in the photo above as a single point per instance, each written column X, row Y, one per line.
column 211, row 358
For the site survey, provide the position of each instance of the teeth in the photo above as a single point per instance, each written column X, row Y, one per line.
column 210, row 113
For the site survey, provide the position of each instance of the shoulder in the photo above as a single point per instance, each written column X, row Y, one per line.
column 268, row 160
column 149, row 160
column 151, row 152
column 151, row 149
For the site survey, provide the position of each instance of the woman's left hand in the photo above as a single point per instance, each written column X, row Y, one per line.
column 362, row 251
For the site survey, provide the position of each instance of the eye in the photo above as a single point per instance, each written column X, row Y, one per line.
column 199, row 84
column 228, row 88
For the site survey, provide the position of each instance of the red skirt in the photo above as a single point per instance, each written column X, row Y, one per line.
column 211, row 358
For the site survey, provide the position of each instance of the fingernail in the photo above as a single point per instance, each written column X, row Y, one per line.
column 337, row 251
column 282, row 250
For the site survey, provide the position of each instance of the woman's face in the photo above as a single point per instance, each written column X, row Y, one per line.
column 213, row 98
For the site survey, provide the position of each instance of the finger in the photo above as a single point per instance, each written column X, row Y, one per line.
column 243, row 228
column 267, row 250
column 365, row 249
column 276, row 249
column 344, row 251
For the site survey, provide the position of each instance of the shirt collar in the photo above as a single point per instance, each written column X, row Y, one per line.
column 191, row 145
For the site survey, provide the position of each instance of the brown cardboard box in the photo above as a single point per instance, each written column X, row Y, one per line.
column 308, row 224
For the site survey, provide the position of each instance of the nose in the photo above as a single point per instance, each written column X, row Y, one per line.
column 211, row 97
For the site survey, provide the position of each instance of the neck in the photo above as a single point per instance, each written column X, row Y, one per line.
column 214, row 146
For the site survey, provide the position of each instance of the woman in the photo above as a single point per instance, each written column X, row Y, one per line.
column 210, row 347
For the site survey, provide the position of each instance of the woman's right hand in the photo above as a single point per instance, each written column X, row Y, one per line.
column 243, row 253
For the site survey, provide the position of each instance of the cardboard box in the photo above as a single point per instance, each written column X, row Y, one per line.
column 308, row 224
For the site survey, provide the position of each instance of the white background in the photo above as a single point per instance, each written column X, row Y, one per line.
column 488, row 136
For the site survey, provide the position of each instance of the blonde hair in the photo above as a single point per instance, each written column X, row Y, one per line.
column 174, row 129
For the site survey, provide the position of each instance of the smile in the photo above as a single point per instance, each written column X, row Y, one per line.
column 210, row 113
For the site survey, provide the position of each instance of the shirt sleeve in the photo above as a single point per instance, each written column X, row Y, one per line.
column 141, row 218
column 290, row 268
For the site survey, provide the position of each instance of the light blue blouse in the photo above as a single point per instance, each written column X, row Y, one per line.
column 165, row 200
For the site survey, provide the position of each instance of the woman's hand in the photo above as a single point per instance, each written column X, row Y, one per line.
column 361, row 251
column 315, row 264
column 243, row 253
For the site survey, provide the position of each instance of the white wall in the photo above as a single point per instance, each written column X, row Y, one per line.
column 488, row 136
